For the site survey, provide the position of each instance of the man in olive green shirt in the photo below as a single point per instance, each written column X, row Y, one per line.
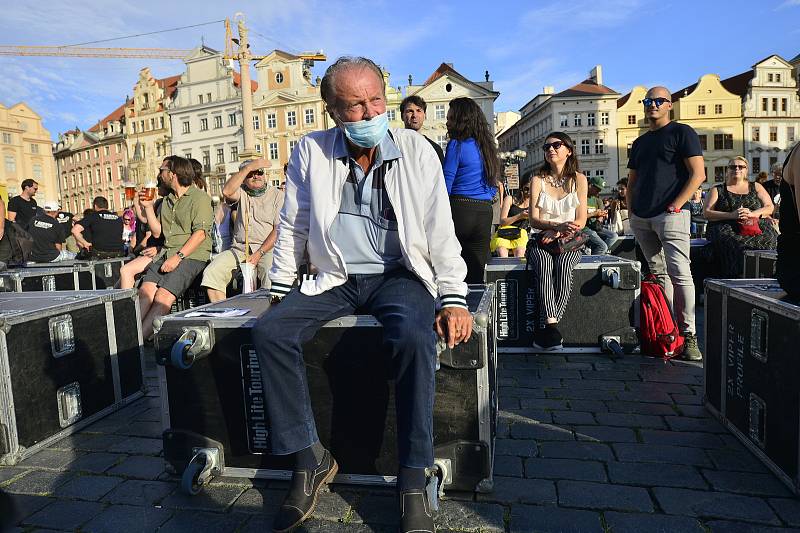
column 185, row 222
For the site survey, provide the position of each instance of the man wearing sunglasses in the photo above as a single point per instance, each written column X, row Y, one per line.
column 254, row 230
column 665, row 169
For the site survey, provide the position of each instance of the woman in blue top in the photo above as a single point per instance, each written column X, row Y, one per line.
column 471, row 171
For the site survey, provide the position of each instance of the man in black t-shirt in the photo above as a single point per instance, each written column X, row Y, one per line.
column 105, row 228
column 412, row 111
column 48, row 239
column 666, row 168
column 22, row 208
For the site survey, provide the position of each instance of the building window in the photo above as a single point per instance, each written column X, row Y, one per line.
column 203, row 124
column 106, row 150
column 187, row 154
column 120, row 172
column 161, row 122
column 719, row 174
column 590, row 119
column 273, row 151
column 200, row 98
column 598, row 146
column 784, row 104
column 310, row 116
column 604, row 118
column 790, row 134
column 258, row 148
column 292, row 144
column 585, row 148
column 441, row 140
column 256, row 122
column 576, row 119
column 119, row 147
column 772, row 160
column 774, row 104
column 717, row 109
column 391, row 114
column 439, row 113
column 96, row 153
column 231, row 119
column 152, row 124
column 11, row 163
column 564, row 119
column 756, row 166
column 37, row 171
column 34, row 148
column 279, row 77
column 141, row 126
column 133, row 127
column 234, row 153
column 701, row 110
column 206, row 161
column 272, row 121
column 632, row 119
column 703, row 141
column 773, row 134
column 97, row 175
column 600, row 173
column 291, row 118
column 764, row 104
column 723, row 141
column 80, row 179
column 220, row 155
column 186, row 127
column 6, row 138
column 777, row 78
column 218, row 122
column 756, row 134
column 208, row 97
column 108, row 175
column 770, row 77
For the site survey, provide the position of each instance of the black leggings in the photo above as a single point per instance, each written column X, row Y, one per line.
column 473, row 223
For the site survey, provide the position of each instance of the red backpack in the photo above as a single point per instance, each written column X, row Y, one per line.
column 658, row 333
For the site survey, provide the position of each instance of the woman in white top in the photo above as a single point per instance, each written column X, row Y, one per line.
column 559, row 210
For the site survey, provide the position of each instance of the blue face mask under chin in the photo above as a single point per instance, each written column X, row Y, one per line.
column 367, row 133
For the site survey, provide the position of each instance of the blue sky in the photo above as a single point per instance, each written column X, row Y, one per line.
column 524, row 45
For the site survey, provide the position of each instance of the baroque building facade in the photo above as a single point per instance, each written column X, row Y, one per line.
column 93, row 163
column 206, row 116
column 148, row 129
column 26, row 152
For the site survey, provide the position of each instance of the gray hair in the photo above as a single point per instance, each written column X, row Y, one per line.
column 776, row 166
column 328, row 84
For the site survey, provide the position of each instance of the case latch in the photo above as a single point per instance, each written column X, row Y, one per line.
column 62, row 335
column 48, row 283
column 759, row 334
column 69, row 404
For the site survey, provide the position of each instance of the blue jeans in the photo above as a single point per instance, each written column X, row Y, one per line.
column 405, row 308
column 600, row 240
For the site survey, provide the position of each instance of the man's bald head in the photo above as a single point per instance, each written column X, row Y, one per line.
column 659, row 92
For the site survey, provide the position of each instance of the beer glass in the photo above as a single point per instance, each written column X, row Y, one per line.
column 150, row 190
column 130, row 191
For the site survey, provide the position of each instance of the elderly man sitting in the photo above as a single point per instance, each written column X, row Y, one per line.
column 369, row 207
column 254, row 231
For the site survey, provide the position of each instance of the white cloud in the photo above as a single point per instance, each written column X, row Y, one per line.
column 789, row 3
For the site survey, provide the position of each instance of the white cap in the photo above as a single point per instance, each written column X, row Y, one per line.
column 51, row 206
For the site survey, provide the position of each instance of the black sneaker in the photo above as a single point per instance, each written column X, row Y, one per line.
column 303, row 493
column 547, row 338
column 691, row 351
column 415, row 512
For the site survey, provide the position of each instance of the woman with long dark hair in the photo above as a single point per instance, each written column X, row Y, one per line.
column 558, row 209
column 471, row 171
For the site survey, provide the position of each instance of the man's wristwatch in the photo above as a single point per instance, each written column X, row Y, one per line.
column 673, row 209
column 181, row 255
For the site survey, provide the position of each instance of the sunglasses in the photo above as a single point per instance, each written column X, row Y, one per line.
column 737, row 167
column 658, row 101
column 259, row 172
column 554, row 145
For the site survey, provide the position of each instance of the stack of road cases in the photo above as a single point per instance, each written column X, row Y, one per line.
column 92, row 273
column 603, row 306
column 213, row 404
column 760, row 263
column 66, row 360
column 752, row 372
column 46, row 277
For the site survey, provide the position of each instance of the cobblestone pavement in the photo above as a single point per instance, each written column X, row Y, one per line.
column 585, row 443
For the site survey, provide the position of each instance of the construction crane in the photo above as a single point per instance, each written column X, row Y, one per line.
column 242, row 54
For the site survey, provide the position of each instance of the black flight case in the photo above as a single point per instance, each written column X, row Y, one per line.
column 46, row 277
column 66, row 359
column 92, row 273
column 760, row 263
column 212, row 404
column 752, row 372
column 603, row 309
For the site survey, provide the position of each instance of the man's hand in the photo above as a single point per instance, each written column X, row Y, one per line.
column 261, row 162
column 170, row 264
column 454, row 325
column 255, row 257
column 150, row 251
column 85, row 245
column 145, row 203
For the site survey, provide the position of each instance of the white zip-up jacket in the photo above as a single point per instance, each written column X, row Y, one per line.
column 415, row 186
